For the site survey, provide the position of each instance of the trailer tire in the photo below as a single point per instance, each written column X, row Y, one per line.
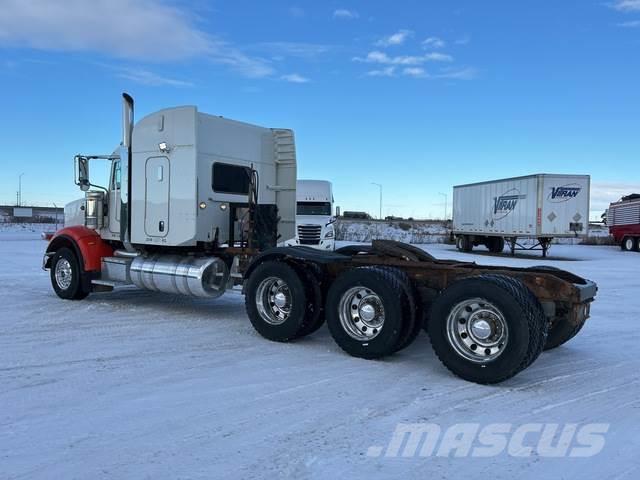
column 377, row 296
column 276, row 301
column 67, row 276
column 495, row 244
column 464, row 243
column 498, row 315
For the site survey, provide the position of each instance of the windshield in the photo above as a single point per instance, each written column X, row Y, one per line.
column 314, row 208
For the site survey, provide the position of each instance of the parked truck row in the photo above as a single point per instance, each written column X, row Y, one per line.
column 197, row 204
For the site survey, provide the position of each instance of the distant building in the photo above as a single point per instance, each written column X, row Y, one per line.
column 31, row 214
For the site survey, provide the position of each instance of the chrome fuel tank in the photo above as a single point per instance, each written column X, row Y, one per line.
column 195, row 276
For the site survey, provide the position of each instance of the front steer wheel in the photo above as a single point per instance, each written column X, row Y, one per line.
column 487, row 329
column 67, row 275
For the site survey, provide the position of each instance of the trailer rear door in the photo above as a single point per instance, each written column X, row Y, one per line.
column 565, row 205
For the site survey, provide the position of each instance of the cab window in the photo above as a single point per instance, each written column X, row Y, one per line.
column 232, row 179
column 116, row 176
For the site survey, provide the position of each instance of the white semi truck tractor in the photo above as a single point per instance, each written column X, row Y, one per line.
column 315, row 223
column 196, row 204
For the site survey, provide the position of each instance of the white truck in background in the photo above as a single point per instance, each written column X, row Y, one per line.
column 314, row 215
column 541, row 207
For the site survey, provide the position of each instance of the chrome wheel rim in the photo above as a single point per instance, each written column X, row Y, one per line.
column 629, row 244
column 63, row 273
column 273, row 299
column 477, row 330
column 361, row 313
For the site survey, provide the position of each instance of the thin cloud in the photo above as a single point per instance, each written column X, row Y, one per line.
column 467, row 73
column 417, row 72
column 377, row 56
column 421, row 73
column 150, row 31
column 294, row 78
column 148, row 78
column 293, row 49
column 384, row 72
column 604, row 193
column 465, row 40
column 344, row 14
column 433, row 42
column 397, row 38
column 627, row 5
column 296, row 12
column 632, row 24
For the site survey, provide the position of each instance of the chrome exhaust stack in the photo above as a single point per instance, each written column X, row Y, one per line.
column 125, row 165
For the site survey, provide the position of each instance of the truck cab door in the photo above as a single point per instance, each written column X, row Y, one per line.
column 114, row 198
column 156, row 205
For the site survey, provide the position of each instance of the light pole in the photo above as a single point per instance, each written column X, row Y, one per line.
column 20, row 189
column 56, row 207
column 445, row 204
column 380, row 187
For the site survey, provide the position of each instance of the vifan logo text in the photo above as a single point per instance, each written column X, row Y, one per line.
column 564, row 193
column 506, row 203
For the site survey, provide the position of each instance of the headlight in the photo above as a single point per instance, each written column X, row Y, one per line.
column 329, row 234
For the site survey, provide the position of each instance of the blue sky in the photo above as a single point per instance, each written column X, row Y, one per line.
column 415, row 95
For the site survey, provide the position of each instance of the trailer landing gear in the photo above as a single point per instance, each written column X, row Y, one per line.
column 543, row 244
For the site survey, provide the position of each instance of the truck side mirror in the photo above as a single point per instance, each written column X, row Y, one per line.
column 337, row 211
column 83, row 173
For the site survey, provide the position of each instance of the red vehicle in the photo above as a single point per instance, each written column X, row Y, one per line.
column 623, row 219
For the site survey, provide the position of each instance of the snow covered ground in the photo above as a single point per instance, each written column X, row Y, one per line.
column 139, row 385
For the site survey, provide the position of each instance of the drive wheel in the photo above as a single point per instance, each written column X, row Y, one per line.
column 67, row 275
column 488, row 328
column 411, row 326
column 275, row 301
column 364, row 312
column 314, row 313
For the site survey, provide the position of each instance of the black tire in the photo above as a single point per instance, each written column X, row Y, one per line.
column 388, row 290
column 411, row 327
column 74, row 287
column 561, row 332
column 314, row 313
column 268, row 320
column 495, row 244
column 538, row 311
column 521, row 312
column 629, row 244
column 464, row 243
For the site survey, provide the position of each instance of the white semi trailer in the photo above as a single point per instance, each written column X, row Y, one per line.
column 315, row 223
column 540, row 206
column 196, row 204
